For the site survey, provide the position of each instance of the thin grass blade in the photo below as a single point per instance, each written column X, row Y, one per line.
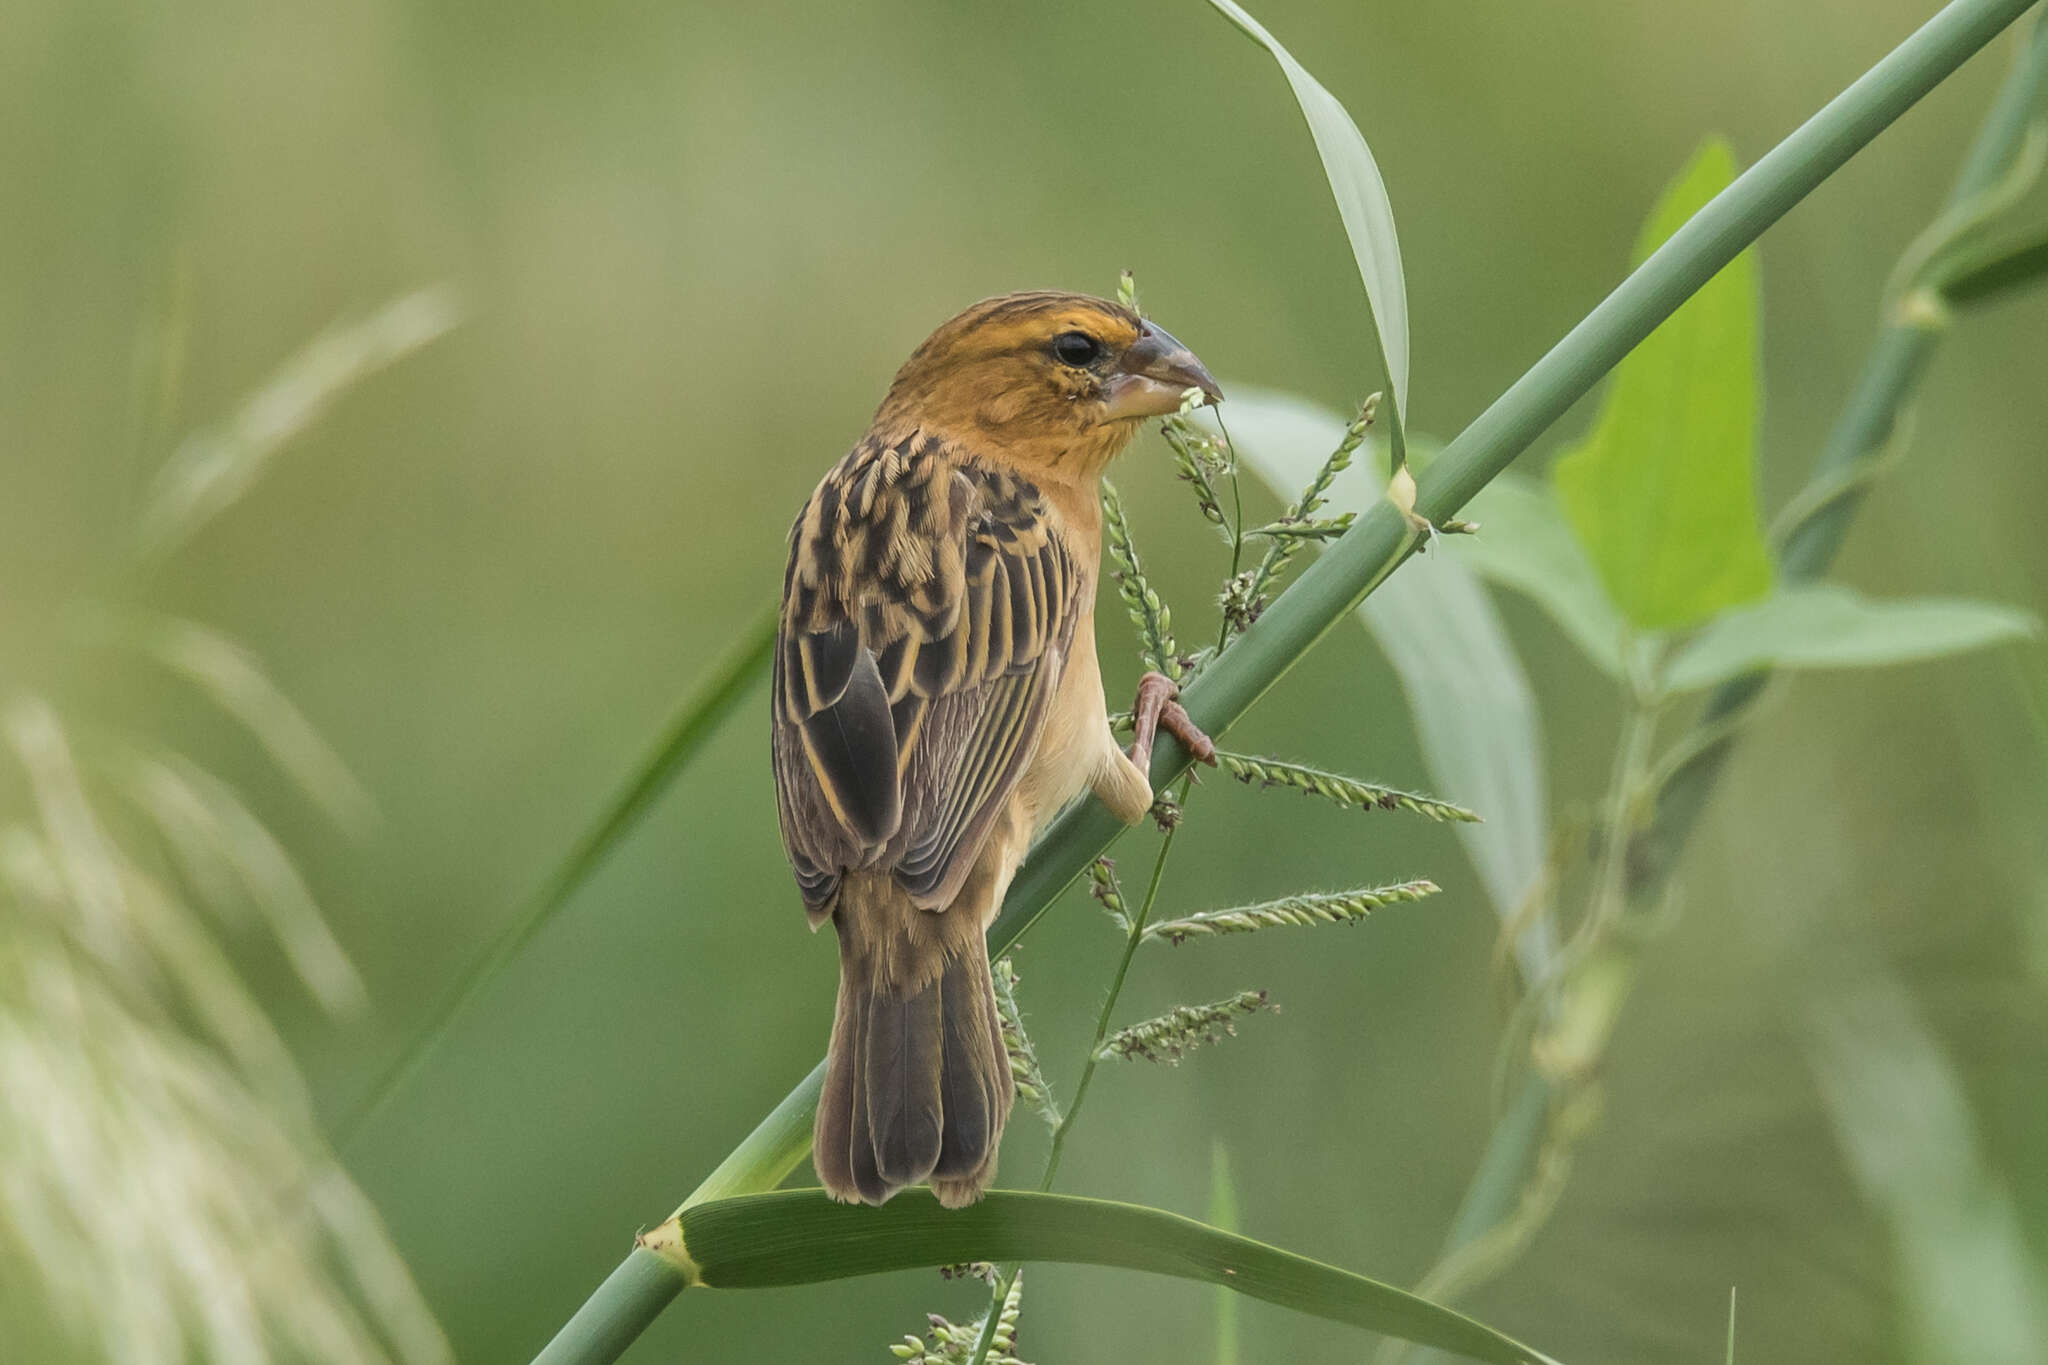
column 234, row 679
column 1362, row 201
column 728, row 680
column 199, row 813
column 215, row 467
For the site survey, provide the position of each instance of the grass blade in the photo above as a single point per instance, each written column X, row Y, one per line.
column 215, row 467
column 728, row 680
column 201, row 815
column 1361, row 197
column 234, row 679
column 801, row 1237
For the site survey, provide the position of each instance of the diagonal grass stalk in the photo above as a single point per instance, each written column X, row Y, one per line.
column 1374, row 547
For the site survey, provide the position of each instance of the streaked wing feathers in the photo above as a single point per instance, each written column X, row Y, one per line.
column 926, row 615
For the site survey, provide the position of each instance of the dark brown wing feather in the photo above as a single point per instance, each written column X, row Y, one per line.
column 926, row 616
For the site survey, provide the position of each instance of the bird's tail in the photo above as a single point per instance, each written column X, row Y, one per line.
column 917, row 1081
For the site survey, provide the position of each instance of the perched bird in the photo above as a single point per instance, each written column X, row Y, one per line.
column 937, row 699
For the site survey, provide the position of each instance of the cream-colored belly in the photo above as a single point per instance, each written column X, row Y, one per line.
column 1076, row 743
column 1073, row 751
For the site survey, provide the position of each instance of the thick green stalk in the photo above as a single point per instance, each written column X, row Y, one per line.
column 1860, row 436
column 1381, row 538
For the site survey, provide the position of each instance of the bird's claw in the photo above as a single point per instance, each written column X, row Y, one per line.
column 1158, row 708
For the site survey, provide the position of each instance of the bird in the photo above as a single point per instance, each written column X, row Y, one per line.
column 937, row 699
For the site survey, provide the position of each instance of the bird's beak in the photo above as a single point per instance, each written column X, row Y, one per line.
column 1154, row 376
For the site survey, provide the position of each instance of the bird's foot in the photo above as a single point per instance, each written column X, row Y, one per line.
column 1158, row 708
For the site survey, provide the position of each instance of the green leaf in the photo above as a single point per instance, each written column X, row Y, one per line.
column 1475, row 714
column 801, row 1237
column 1827, row 626
column 1662, row 492
column 1361, row 202
column 1525, row 543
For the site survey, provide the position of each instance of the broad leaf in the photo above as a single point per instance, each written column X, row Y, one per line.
column 1662, row 492
column 1828, row 626
column 801, row 1237
column 1361, row 201
column 1475, row 714
column 1524, row 543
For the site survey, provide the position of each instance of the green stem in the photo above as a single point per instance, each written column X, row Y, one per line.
column 1381, row 538
column 1236, row 523
column 1499, row 1177
column 993, row 1320
column 1116, row 986
column 1624, row 797
column 1896, row 361
column 623, row 1307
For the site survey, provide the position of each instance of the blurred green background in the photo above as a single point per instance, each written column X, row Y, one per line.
column 692, row 243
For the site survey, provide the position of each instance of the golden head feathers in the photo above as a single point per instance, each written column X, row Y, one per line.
column 1054, row 384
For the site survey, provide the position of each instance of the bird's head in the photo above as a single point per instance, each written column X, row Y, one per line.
column 1053, row 383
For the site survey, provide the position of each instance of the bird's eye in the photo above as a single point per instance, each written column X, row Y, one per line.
column 1076, row 348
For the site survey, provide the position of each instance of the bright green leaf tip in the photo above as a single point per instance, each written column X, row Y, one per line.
column 1662, row 491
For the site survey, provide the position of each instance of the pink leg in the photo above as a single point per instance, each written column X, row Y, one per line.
column 1158, row 708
